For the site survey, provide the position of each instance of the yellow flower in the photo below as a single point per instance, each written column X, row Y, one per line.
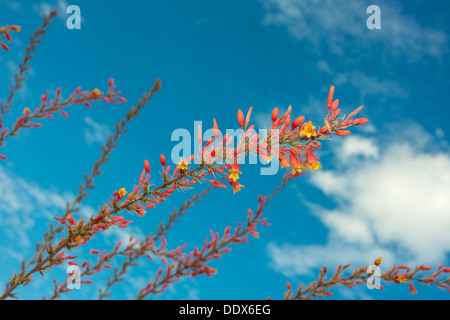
column 401, row 278
column 255, row 234
column 267, row 158
column 26, row 111
column 237, row 188
column 299, row 168
column 284, row 162
column 309, row 130
column 96, row 92
column 78, row 239
column 182, row 165
column 235, row 185
column 235, row 172
column 314, row 166
column 122, row 192
column 378, row 261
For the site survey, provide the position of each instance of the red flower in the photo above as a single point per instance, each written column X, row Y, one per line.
column 240, row 117
column 163, row 160
column 147, row 166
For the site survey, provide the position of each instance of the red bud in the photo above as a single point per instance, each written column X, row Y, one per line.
column 342, row 132
column 274, row 114
column 147, row 166
column 298, row 122
column 163, row 160
column 240, row 117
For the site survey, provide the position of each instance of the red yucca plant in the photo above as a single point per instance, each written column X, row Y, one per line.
column 294, row 143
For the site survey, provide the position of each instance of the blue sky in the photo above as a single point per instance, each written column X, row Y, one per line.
column 382, row 191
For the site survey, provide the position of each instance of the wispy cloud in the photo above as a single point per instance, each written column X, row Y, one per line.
column 371, row 85
column 333, row 23
column 391, row 201
column 46, row 7
column 22, row 203
column 95, row 132
column 13, row 4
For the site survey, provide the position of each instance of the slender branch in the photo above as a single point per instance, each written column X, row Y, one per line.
column 131, row 251
column 194, row 263
column 161, row 233
column 401, row 274
column 19, row 77
column 43, row 264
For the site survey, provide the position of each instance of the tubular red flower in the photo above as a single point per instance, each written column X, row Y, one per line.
column 342, row 133
column 218, row 184
column 274, row 114
column 426, row 268
column 162, row 158
column 297, row 122
column 334, row 105
column 240, row 117
column 285, row 116
column 412, row 289
column 147, row 166
column 247, row 119
column 360, row 121
column 311, row 158
column 330, row 97
column 60, row 220
column 14, row 28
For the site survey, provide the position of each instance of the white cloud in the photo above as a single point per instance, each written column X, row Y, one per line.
column 95, row 132
column 335, row 22
column 439, row 133
column 46, row 7
column 13, row 4
column 42, row 7
column 292, row 260
column 22, row 203
column 391, row 201
column 368, row 85
column 322, row 65
column 355, row 145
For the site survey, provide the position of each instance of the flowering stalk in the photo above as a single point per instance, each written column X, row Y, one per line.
column 107, row 148
column 142, row 198
column 195, row 262
column 299, row 140
column 77, row 232
column 401, row 274
column 6, row 31
column 133, row 251
column 19, row 77
column 48, row 108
